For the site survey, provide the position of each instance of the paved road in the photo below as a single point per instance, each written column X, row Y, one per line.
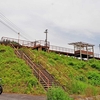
column 6, row 96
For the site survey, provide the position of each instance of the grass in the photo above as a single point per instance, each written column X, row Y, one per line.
column 57, row 93
column 16, row 76
column 76, row 76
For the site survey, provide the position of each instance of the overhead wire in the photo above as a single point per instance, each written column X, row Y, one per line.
column 6, row 23
column 11, row 25
column 8, row 26
column 6, row 19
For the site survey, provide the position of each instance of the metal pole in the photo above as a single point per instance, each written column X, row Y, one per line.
column 46, row 31
column 80, row 52
column 87, row 53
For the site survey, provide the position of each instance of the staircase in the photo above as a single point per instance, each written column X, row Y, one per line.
column 42, row 75
column 51, row 79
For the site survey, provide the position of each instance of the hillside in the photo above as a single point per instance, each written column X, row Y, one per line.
column 76, row 76
column 16, row 76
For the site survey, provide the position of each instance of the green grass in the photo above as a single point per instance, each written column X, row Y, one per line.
column 57, row 93
column 16, row 76
column 78, row 77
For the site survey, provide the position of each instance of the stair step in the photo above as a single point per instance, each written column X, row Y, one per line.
column 44, row 74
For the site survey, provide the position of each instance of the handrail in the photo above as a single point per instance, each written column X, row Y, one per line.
column 37, row 70
column 96, row 55
column 26, row 43
column 42, row 43
column 61, row 49
column 43, row 60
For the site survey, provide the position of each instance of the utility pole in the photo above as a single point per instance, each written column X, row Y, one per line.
column 46, row 31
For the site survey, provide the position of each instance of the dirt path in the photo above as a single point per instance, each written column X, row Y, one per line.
column 6, row 96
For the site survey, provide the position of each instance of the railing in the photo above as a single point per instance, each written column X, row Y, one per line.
column 68, row 50
column 53, row 68
column 61, row 49
column 43, row 43
column 26, row 43
column 37, row 71
column 97, row 55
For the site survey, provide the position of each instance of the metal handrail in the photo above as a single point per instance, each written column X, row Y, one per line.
column 43, row 60
column 26, row 43
column 37, row 70
column 42, row 43
column 27, row 58
column 61, row 49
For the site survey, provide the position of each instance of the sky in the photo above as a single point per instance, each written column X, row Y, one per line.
column 67, row 21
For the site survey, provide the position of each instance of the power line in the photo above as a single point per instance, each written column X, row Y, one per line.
column 9, row 22
column 11, row 25
column 8, row 26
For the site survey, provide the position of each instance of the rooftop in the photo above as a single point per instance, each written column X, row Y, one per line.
column 82, row 44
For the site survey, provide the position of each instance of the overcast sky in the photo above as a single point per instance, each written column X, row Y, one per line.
column 66, row 20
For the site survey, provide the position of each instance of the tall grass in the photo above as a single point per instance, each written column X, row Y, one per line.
column 71, row 72
column 16, row 76
column 56, row 93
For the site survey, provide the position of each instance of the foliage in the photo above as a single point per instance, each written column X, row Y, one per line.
column 70, row 72
column 81, row 77
column 94, row 78
column 56, row 93
column 95, row 64
column 78, row 87
column 16, row 76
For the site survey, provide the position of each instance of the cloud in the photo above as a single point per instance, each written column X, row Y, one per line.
column 66, row 20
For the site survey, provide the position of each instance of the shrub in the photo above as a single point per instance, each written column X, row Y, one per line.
column 78, row 87
column 81, row 78
column 32, row 82
column 94, row 78
column 71, row 63
column 56, row 93
column 95, row 65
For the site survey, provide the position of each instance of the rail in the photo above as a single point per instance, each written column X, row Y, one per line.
column 43, row 43
column 97, row 55
column 26, row 43
column 55, row 82
column 68, row 50
column 61, row 49
column 38, row 72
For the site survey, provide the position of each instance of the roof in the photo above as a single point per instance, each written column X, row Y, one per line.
column 82, row 44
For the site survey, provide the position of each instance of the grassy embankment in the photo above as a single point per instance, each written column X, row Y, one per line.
column 16, row 76
column 78, row 77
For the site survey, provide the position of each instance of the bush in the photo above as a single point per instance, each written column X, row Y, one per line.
column 95, row 65
column 78, row 87
column 94, row 78
column 81, row 78
column 56, row 93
